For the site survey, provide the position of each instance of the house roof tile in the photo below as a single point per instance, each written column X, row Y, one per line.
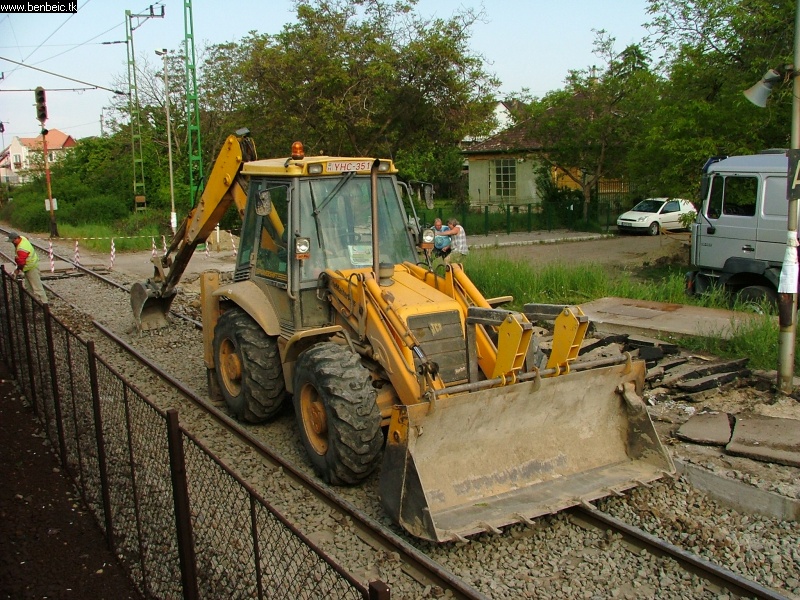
column 514, row 139
column 56, row 140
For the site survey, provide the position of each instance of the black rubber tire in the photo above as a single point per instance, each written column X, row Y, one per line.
column 654, row 228
column 337, row 414
column 756, row 297
column 248, row 367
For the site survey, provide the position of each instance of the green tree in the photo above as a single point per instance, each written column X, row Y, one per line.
column 586, row 127
column 364, row 78
column 712, row 51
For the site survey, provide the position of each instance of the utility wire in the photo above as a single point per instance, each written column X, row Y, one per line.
column 93, row 85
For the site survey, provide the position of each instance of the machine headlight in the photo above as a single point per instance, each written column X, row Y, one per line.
column 315, row 168
column 427, row 236
column 302, row 245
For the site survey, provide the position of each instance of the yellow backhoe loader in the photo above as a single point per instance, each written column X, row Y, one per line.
column 392, row 364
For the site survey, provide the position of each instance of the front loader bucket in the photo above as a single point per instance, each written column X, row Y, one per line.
column 149, row 309
column 478, row 461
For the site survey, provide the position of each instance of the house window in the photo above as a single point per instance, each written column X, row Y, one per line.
column 505, row 178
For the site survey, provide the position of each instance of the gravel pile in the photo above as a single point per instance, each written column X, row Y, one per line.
column 555, row 558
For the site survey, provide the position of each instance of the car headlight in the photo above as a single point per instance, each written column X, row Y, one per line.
column 640, row 219
column 427, row 236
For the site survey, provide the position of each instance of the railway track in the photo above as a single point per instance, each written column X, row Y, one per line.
column 547, row 549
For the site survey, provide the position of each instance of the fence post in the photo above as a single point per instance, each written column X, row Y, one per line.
column 508, row 219
column 183, row 519
column 379, row 590
column 530, row 208
column 101, row 445
column 51, row 356
column 7, row 300
column 28, row 356
column 486, row 220
column 256, row 546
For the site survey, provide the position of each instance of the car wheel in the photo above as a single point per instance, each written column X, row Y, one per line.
column 654, row 228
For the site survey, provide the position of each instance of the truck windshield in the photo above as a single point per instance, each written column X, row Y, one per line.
column 338, row 219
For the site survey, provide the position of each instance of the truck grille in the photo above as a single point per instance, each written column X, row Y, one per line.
column 442, row 340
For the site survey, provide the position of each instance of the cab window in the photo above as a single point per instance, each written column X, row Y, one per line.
column 732, row 196
column 272, row 209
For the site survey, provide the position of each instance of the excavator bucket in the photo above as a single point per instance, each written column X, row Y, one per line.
column 150, row 310
column 478, row 461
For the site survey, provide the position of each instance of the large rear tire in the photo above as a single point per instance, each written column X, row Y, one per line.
column 337, row 414
column 248, row 367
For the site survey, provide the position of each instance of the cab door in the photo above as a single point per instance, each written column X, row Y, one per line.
column 728, row 224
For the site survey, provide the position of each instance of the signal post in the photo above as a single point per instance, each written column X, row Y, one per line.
column 41, row 115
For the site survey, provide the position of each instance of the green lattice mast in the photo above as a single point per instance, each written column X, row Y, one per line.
column 196, row 176
column 139, row 196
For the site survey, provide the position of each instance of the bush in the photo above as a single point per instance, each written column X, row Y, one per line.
column 98, row 210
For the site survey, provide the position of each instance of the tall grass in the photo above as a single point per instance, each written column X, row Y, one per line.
column 495, row 275
column 98, row 237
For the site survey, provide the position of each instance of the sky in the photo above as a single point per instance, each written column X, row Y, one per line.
column 529, row 44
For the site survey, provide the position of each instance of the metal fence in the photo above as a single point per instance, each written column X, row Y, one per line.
column 508, row 218
column 180, row 521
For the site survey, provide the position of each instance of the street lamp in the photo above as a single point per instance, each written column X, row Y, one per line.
column 787, row 288
column 173, row 219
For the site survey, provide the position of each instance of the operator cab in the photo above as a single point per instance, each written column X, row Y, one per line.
column 318, row 211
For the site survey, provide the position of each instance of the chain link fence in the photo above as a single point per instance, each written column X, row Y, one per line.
column 182, row 524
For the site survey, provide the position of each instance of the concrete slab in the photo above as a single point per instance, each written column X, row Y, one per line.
column 711, row 429
column 769, row 439
column 622, row 315
column 740, row 496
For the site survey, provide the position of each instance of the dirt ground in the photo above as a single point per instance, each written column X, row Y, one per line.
column 625, row 251
column 50, row 547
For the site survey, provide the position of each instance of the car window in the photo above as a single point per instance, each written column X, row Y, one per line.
column 671, row 207
column 648, row 206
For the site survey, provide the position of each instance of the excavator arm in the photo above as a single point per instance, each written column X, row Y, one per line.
column 152, row 299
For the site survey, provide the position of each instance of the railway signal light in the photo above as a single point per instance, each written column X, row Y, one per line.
column 41, row 104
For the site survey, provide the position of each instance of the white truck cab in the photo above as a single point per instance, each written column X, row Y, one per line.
column 739, row 236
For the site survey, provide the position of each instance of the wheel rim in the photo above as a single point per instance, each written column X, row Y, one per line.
column 315, row 421
column 230, row 367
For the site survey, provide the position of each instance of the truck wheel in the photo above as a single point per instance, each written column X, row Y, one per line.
column 337, row 413
column 248, row 367
column 654, row 228
column 756, row 298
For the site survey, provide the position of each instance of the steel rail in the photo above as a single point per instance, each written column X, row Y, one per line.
column 736, row 584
